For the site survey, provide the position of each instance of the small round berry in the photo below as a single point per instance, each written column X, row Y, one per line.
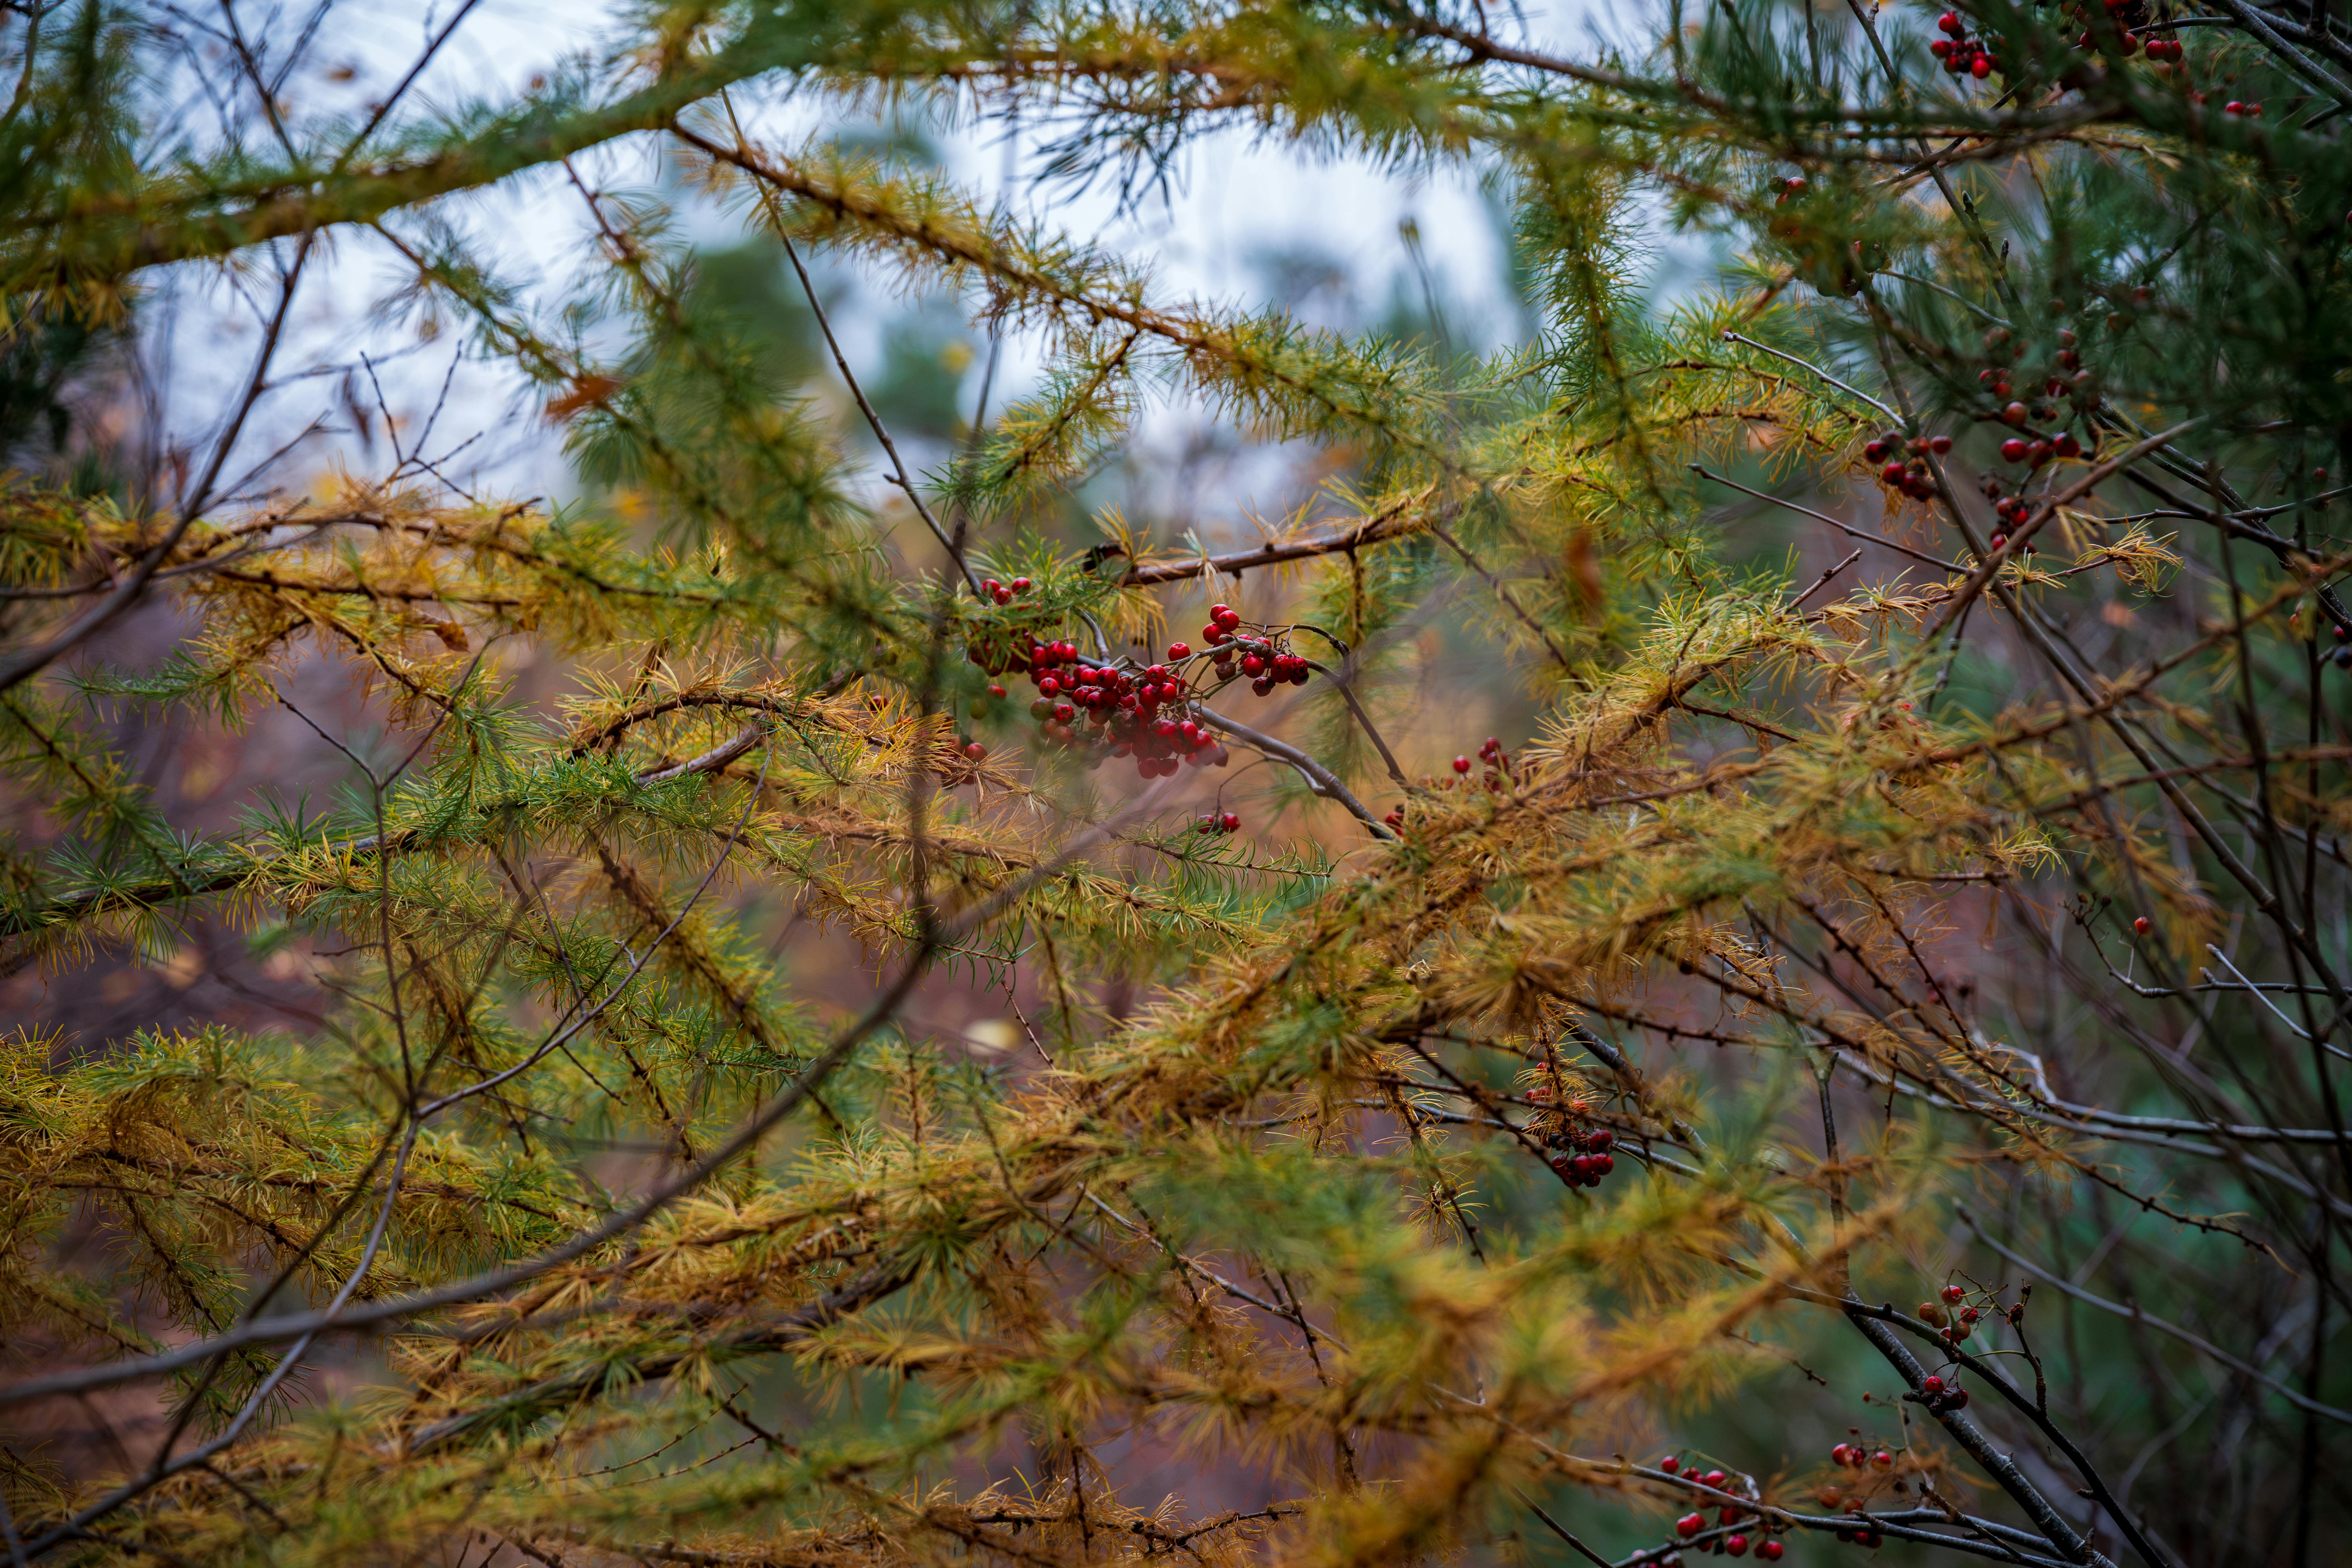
column 2014, row 414
column 1770, row 1551
column 1735, row 1546
column 1981, row 67
column 990, row 586
column 1999, row 539
column 1951, row 24
column 1670, row 1464
column 1939, row 444
column 1954, row 1292
column 1395, row 819
column 1882, row 1460
column 975, row 751
column 1064, row 712
column 1180, row 650
column 1690, row 1525
column 995, row 691
column 1932, row 1386
column 2013, row 450
column 1230, row 822
column 1713, row 1479
column 1893, row 473
column 1838, row 1455
column 1001, row 595
column 1461, row 764
column 1021, row 585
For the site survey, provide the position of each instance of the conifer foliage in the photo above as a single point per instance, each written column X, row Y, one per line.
column 1863, row 1071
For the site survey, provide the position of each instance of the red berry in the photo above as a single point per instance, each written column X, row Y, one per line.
column 1232, row 822
column 1838, row 1455
column 1461, row 764
column 1893, row 473
column 1770, row 1551
column 975, row 751
column 990, row 586
column 1981, row 67
column 1021, row 585
column 1735, row 1545
column 1953, row 1292
column 1874, row 451
column 1690, row 1525
column 2012, row 450
column 1064, row 712
column 1999, row 539
column 1670, row 1464
column 995, row 691
column 1940, row 48
column 1939, row 444
column 2233, row 107
column 1001, row 595
column 1713, row 1479
column 1395, row 819
column 2014, row 414
column 1882, row 1460
column 1951, row 22
column 2143, row 925
column 1932, row 1386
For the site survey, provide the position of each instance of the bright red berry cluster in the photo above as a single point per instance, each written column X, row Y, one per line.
column 1148, row 714
column 1263, row 657
column 1217, row 822
column 1736, row 1528
column 1004, row 593
column 1961, row 55
column 1903, row 461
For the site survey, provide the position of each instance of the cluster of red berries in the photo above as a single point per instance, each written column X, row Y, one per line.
column 2163, row 48
column 1581, row 1154
column 1941, row 1393
column 2067, row 379
column 1905, row 461
column 2233, row 107
column 1957, row 1321
column 1737, row 1542
column 2109, row 25
column 1003, row 592
column 1581, row 1151
column 1145, row 713
column 2013, row 509
column 1498, row 765
column 1262, row 658
column 2038, row 451
column 1857, row 1528
column 1961, row 55
column 1217, row 822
